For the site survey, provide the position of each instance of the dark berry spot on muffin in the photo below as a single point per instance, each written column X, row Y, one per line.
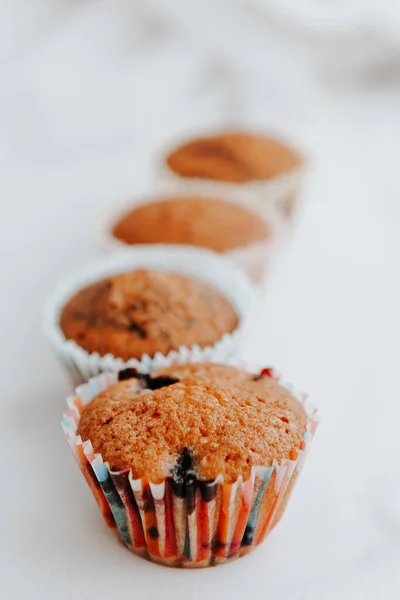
column 155, row 383
column 148, row 382
column 284, row 419
column 183, row 466
column 267, row 372
column 128, row 373
column 133, row 326
column 183, row 479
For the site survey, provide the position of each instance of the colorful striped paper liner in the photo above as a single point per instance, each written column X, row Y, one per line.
column 204, row 524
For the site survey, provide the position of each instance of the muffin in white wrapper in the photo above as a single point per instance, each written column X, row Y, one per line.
column 198, row 523
column 198, row 264
column 279, row 190
column 255, row 256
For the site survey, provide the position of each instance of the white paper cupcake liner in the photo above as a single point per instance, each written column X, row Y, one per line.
column 200, row 264
column 210, row 523
column 255, row 259
column 279, row 192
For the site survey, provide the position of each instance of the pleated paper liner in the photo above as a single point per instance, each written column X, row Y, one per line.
column 193, row 524
column 198, row 263
column 255, row 259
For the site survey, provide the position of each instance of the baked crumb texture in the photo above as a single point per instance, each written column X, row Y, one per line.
column 233, row 157
column 191, row 465
column 144, row 312
column 204, row 222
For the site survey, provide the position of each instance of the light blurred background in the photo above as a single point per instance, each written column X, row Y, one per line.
column 89, row 91
column 82, row 80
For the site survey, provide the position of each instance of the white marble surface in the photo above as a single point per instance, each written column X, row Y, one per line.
column 88, row 89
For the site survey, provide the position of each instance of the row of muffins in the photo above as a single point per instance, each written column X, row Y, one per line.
column 190, row 460
column 245, row 183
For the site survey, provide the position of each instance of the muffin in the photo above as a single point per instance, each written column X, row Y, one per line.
column 191, row 465
column 219, row 225
column 206, row 222
column 144, row 312
column 147, row 306
column 233, row 157
column 258, row 170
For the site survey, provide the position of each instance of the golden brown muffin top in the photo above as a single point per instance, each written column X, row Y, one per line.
column 235, row 157
column 197, row 373
column 145, row 312
column 206, row 222
column 224, row 427
column 200, row 372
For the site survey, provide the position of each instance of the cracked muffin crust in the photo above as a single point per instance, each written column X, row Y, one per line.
column 221, row 425
column 233, row 157
column 144, row 312
column 204, row 222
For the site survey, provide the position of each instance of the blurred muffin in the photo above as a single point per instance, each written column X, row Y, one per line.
column 206, row 222
column 144, row 312
column 211, row 464
column 219, row 225
column 233, row 157
column 259, row 171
